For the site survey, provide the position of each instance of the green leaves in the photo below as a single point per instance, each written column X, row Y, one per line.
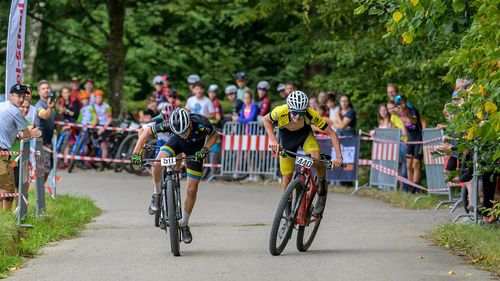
column 458, row 5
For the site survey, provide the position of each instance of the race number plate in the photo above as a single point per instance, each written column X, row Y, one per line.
column 304, row 162
column 168, row 162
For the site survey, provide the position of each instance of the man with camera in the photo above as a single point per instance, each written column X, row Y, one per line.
column 46, row 116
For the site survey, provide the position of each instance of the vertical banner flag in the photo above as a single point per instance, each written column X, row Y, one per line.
column 15, row 44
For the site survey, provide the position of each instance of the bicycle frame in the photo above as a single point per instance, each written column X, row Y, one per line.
column 306, row 197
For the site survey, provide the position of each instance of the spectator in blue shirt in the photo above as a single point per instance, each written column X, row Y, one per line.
column 250, row 110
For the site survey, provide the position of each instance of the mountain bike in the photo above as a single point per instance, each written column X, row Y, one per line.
column 170, row 212
column 296, row 206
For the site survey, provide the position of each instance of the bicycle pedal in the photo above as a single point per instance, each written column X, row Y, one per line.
column 163, row 224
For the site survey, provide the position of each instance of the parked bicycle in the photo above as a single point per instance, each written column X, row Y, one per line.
column 296, row 206
column 87, row 144
column 170, row 211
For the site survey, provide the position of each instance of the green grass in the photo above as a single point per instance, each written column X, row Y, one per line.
column 480, row 245
column 398, row 198
column 64, row 218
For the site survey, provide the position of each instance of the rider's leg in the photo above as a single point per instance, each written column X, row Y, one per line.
column 156, row 171
column 189, row 201
column 287, row 166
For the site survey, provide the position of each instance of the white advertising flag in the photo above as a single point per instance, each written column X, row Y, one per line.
column 15, row 44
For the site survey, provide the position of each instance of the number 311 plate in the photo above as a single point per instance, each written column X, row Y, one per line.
column 304, row 162
column 168, row 162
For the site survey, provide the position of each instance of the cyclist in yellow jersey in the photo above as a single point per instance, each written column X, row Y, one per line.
column 294, row 120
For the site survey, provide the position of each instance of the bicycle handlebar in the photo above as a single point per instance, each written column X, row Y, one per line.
column 324, row 161
column 149, row 162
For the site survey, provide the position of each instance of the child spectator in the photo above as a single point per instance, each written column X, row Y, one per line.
column 264, row 101
column 192, row 79
column 199, row 103
column 249, row 111
column 331, row 104
column 322, row 97
column 281, row 91
column 87, row 115
column 237, row 103
column 212, row 95
column 158, row 94
column 241, row 82
column 173, row 98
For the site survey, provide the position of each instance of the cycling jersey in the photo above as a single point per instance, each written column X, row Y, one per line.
column 200, row 129
column 292, row 140
column 103, row 112
column 87, row 116
column 281, row 116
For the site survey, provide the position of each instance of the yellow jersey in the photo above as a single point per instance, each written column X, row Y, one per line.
column 281, row 116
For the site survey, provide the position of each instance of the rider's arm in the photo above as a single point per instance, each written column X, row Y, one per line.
column 143, row 138
column 335, row 142
column 268, row 125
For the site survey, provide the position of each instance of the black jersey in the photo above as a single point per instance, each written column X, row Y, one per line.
column 200, row 128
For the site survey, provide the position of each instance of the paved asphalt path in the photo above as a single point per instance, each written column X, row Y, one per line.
column 359, row 239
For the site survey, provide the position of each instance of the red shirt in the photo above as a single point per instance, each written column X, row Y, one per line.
column 264, row 105
column 217, row 106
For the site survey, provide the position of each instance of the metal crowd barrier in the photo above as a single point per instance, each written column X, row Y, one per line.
column 434, row 166
column 245, row 150
column 24, row 179
column 51, row 182
column 40, row 181
column 385, row 155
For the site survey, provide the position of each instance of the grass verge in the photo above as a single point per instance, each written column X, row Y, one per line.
column 398, row 198
column 480, row 245
column 64, row 218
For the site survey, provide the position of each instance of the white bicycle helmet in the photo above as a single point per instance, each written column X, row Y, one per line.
column 166, row 110
column 179, row 121
column 297, row 101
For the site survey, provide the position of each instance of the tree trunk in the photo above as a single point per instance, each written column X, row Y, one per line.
column 116, row 52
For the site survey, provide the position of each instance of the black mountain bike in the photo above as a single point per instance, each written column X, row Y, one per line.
column 170, row 212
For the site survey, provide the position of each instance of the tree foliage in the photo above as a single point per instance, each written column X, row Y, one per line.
column 352, row 47
column 469, row 33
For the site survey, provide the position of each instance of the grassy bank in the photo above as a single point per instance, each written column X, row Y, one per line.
column 480, row 245
column 398, row 198
column 64, row 218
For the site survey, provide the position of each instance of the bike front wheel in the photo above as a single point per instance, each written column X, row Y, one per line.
column 173, row 224
column 306, row 234
column 284, row 218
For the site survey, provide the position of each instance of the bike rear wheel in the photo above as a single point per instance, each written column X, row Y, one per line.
column 173, row 224
column 284, row 218
column 306, row 234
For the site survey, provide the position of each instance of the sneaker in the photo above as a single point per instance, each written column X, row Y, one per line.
column 320, row 205
column 155, row 204
column 186, row 234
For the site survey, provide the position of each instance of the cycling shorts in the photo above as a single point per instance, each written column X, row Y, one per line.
column 176, row 145
column 292, row 140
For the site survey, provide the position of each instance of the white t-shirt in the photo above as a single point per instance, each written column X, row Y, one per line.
column 202, row 106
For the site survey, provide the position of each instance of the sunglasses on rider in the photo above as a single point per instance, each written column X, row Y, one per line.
column 298, row 113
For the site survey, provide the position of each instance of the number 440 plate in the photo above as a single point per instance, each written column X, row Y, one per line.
column 304, row 162
column 168, row 162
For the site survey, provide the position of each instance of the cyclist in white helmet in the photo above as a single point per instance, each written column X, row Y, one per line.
column 294, row 120
column 192, row 134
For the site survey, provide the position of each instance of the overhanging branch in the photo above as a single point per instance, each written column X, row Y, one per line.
column 69, row 34
column 96, row 23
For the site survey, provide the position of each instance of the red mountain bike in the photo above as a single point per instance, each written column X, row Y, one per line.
column 296, row 207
